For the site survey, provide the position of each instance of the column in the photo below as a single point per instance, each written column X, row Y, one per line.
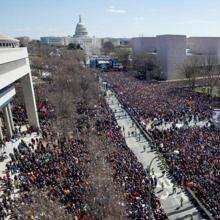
column 7, row 121
column 1, row 133
column 29, row 98
column 10, row 116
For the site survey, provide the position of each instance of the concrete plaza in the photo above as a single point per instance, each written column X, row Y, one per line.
column 9, row 149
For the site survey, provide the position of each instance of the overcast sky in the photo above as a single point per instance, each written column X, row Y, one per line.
column 110, row 18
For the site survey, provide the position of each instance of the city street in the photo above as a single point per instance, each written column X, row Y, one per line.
column 171, row 202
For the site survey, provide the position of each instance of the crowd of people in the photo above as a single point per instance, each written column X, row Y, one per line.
column 163, row 101
column 130, row 175
column 197, row 164
column 49, row 163
column 55, row 167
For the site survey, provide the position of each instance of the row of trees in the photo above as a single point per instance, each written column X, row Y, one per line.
column 75, row 94
column 144, row 66
column 201, row 69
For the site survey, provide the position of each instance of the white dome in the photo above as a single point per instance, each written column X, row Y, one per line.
column 80, row 29
column 6, row 41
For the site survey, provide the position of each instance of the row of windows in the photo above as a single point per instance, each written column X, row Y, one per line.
column 8, row 44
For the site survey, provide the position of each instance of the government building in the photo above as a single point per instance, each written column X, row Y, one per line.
column 80, row 37
column 171, row 51
column 14, row 67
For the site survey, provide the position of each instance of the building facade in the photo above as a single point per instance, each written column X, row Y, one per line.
column 169, row 50
column 172, row 50
column 14, row 66
column 143, row 44
column 171, row 53
column 7, row 42
column 203, row 45
column 80, row 37
column 56, row 41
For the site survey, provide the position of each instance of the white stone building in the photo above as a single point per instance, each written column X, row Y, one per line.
column 92, row 45
column 14, row 66
column 56, row 41
column 80, row 37
column 170, row 52
column 7, row 42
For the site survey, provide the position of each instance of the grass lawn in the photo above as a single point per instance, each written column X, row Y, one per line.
column 215, row 91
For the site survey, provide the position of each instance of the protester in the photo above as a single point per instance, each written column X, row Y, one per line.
column 129, row 173
column 192, row 149
column 55, row 166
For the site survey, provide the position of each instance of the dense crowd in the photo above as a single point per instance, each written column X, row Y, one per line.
column 163, row 101
column 197, row 164
column 47, row 162
column 56, row 167
column 130, row 174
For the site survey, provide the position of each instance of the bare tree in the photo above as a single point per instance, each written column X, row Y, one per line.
column 40, row 207
column 75, row 87
column 146, row 65
column 108, row 47
column 74, row 92
column 104, row 198
column 123, row 55
column 190, row 69
column 210, row 72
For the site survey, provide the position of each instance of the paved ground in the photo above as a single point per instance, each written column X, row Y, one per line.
column 170, row 202
column 9, row 149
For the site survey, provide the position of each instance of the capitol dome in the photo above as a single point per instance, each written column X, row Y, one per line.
column 80, row 29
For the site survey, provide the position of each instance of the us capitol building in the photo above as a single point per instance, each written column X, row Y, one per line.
column 80, row 37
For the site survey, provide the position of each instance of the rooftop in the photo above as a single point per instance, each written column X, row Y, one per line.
column 8, row 39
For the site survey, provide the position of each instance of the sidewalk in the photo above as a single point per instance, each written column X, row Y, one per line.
column 169, row 201
column 9, row 149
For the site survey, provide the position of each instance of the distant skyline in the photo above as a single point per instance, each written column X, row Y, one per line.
column 110, row 18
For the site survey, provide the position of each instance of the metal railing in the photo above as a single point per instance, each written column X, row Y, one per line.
column 148, row 136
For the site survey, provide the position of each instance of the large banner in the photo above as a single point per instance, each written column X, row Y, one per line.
column 216, row 115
